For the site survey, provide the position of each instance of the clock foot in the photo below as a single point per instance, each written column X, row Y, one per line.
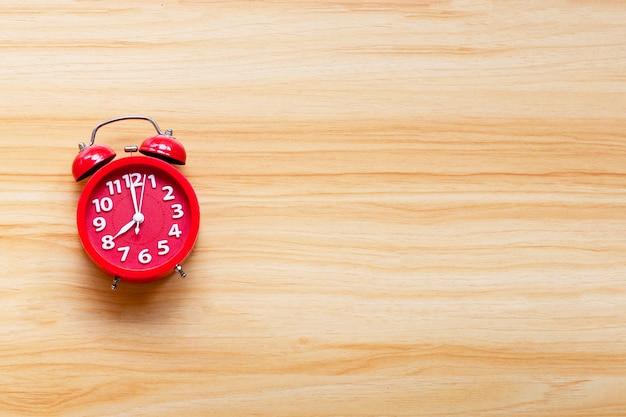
column 116, row 281
column 179, row 269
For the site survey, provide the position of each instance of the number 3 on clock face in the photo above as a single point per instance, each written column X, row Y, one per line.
column 138, row 218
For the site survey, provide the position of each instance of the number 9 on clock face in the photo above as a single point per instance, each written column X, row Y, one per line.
column 138, row 218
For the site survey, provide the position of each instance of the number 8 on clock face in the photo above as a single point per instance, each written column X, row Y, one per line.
column 138, row 218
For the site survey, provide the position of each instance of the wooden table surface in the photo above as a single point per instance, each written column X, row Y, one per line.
column 411, row 208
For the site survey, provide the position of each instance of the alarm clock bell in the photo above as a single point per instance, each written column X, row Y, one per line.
column 92, row 157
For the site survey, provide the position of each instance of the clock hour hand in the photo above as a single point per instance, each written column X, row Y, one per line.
column 125, row 228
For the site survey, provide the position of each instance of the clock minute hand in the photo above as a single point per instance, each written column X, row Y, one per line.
column 138, row 217
column 133, row 194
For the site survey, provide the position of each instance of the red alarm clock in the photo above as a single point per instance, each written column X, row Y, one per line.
column 138, row 217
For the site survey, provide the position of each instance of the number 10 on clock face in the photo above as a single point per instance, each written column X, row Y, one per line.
column 138, row 218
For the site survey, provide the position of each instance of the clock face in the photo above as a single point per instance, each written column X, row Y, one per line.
column 138, row 217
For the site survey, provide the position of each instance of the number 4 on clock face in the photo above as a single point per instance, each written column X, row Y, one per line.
column 138, row 218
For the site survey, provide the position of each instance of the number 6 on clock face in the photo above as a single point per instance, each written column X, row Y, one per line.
column 138, row 218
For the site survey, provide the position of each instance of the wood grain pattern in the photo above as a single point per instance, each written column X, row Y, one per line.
column 409, row 208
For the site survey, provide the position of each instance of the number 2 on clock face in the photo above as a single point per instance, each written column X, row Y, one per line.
column 140, row 219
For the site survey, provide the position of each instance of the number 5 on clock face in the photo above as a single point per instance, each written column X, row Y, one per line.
column 138, row 218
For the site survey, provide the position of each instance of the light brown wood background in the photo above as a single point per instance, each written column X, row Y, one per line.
column 409, row 208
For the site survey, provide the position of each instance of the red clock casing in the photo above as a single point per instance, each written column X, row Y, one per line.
column 138, row 218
